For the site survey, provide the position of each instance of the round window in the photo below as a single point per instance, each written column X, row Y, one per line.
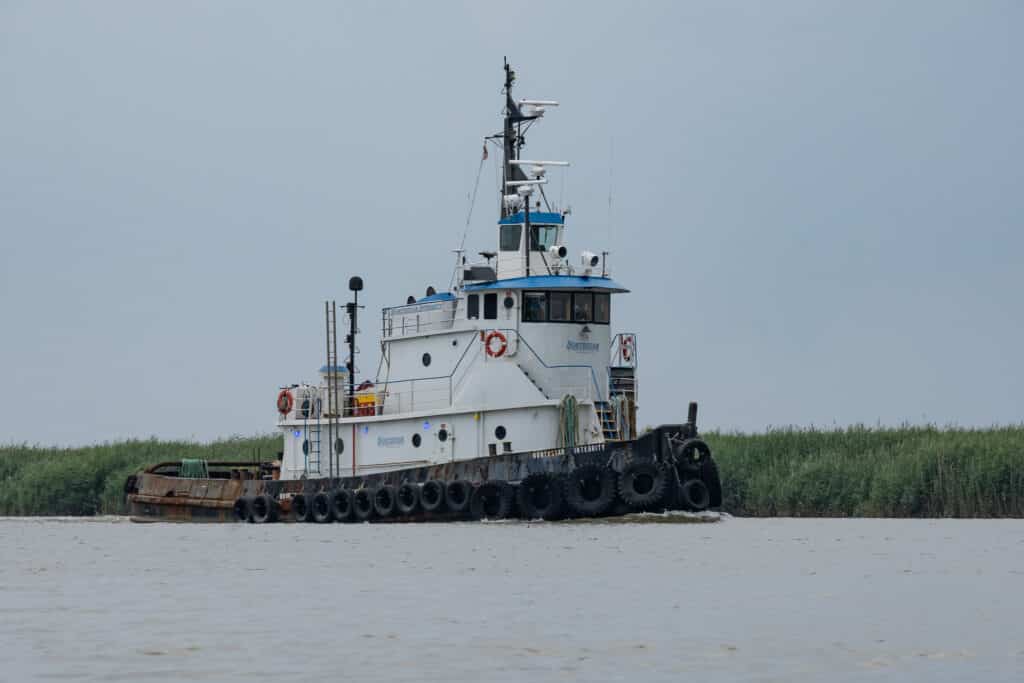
column 442, row 435
column 426, row 359
column 417, row 440
column 509, row 302
column 339, row 445
column 499, row 432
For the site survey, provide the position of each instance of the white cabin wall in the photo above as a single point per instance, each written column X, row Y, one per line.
column 564, row 344
column 410, row 384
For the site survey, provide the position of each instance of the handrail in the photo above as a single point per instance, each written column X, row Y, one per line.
column 474, row 339
column 350, row 408
column 593, row 375
column 616, row 359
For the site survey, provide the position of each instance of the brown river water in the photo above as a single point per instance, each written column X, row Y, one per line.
column 736, row 600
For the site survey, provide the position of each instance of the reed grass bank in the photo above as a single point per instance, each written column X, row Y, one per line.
column 857, row 471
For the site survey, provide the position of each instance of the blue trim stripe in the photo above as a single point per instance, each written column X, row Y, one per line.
column 536, row 217
column 550, row 282
column 441, row 296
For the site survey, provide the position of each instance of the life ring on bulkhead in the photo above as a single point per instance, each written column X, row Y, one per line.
column 502, row 344
column 285, row 401
column 626, row 348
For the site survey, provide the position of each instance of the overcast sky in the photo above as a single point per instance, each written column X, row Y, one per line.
column 818, row 206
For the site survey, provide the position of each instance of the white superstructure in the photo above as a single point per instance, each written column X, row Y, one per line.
column 518, row 356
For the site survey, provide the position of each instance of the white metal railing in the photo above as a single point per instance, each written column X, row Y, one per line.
column 418, row 318
column 557, row 380
column 428, row 393
column 623, row 350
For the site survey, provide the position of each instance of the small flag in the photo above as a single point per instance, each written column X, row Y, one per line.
column 485, row 151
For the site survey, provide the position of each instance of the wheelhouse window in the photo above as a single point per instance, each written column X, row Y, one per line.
column 565, row 307
column 473, row 306
column 490, row 306
column 542, row 237
column 582, row 307
column 509, row 237
column 602, row 308
column 560, row 306
column 535, row 307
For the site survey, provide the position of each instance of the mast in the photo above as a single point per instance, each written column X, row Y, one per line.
column 512, row 137
column 355, row 285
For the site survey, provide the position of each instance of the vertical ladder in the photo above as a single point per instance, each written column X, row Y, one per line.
column 609, row 426
column 313, row 438
column 331, row 316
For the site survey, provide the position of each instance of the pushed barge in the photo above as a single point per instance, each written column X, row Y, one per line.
column 506, row 396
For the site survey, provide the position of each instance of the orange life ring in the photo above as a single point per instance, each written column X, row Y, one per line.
column 626, row 346
column 502, row 344
column 285, row 401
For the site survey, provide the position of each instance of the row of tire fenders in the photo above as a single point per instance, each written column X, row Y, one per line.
column 587, row 491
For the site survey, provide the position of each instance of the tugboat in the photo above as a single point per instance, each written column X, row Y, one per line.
column 506, row 396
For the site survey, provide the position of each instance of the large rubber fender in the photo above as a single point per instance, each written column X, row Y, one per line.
column 694, row 495
column 691, row 454
column 302, row 507
column 458, row 495
column 323, row 512
column 709, row 475
column 407, row 498
column 492, row 500
column 590, row 490
column 241, row 509
column 642, row 485
column 384, row 501
column 432, row 495
column 362, row 504
column 341, row 505
column 263, row 509
column 540, row 497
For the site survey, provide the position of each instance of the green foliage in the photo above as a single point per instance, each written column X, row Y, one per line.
column 873, row 472
column 90, row 480
column 858, row 471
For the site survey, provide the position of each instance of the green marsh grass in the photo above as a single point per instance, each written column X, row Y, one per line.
column 873, row 472
column 90, row 480
column 853, row 472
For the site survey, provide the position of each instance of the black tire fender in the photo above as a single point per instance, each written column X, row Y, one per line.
column 263, row 509
column 323, row 511
column 540, row 497
column 362, row 504
column 642, row 485
column 384, row 501
column 432, row 496
column 691, row 454
column 407, row 498
column 241, row 509
column 709, row 475
column 458, row 495
column 302, row 507
column 492, row 500
column 694, row 495
column 341, row 505
column 590, row 490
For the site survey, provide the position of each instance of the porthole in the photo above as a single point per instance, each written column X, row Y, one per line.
column 499, row 432
column 339, row 445
column 455, row 342
column 426, row 359
column 305, row 447
column 509, row 302
column 416, row 440
column 442, row 435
